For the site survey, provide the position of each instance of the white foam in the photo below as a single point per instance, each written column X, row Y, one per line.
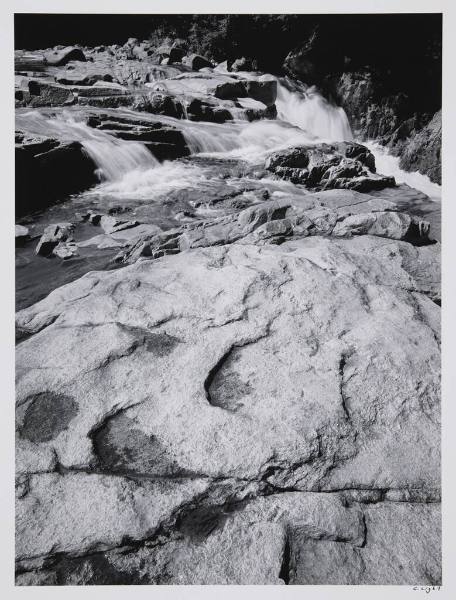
column 113, row 157
column 387, row 164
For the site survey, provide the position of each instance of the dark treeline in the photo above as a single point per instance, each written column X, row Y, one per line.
column 404, row 49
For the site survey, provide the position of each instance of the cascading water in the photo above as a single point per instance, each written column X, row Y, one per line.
column 304, row 117
column 113, row 157
column 307, row 109
column 387, row 164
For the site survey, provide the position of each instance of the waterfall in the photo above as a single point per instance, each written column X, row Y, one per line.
column 113, row 157
column 209, row 138
column 304, row 107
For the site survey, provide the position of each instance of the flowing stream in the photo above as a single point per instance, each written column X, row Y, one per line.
column 114, row 157
column 132, row 178
column 123, row 167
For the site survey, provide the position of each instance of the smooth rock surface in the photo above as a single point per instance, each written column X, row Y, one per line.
column 200, row 353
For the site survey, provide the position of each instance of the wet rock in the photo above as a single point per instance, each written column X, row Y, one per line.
column 53, row 234
column 296, row 158
column 164, row 141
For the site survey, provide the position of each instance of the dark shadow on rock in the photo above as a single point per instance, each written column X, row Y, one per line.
column 47, row 415
column 122, row 447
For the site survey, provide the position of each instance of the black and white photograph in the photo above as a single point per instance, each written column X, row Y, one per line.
column 228, row 298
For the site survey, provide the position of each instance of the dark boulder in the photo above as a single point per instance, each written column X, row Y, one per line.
column 197, row 62
column 263, row 91
column 243, row 64
column 164, row 141
column 62, row 57
column 45, row 178
column 46, row 94
column 52, row 236
column 296, row 158
column 229, row 90
column 344, row 165
column 159, row 104
column 199, row 110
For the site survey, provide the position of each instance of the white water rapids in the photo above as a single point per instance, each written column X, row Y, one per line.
column 113, row 157
column 128, row 168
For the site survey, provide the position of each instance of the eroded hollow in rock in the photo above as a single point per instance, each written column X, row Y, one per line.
column 122, row 447
column 224, row 386
column 47, row 415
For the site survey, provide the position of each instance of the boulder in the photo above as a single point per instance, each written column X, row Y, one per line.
column 46, row 94
column 160, row 104
column 392, row 225
column 263, row 91
column 343, row 165
column 197, row 62
column 165, row 142
column 45, row 177
column 63, row 56
column 52, row 235
column 229, row 90
column 176, row 55
column 296, row 158
column 65, row 250
column 222, row 67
